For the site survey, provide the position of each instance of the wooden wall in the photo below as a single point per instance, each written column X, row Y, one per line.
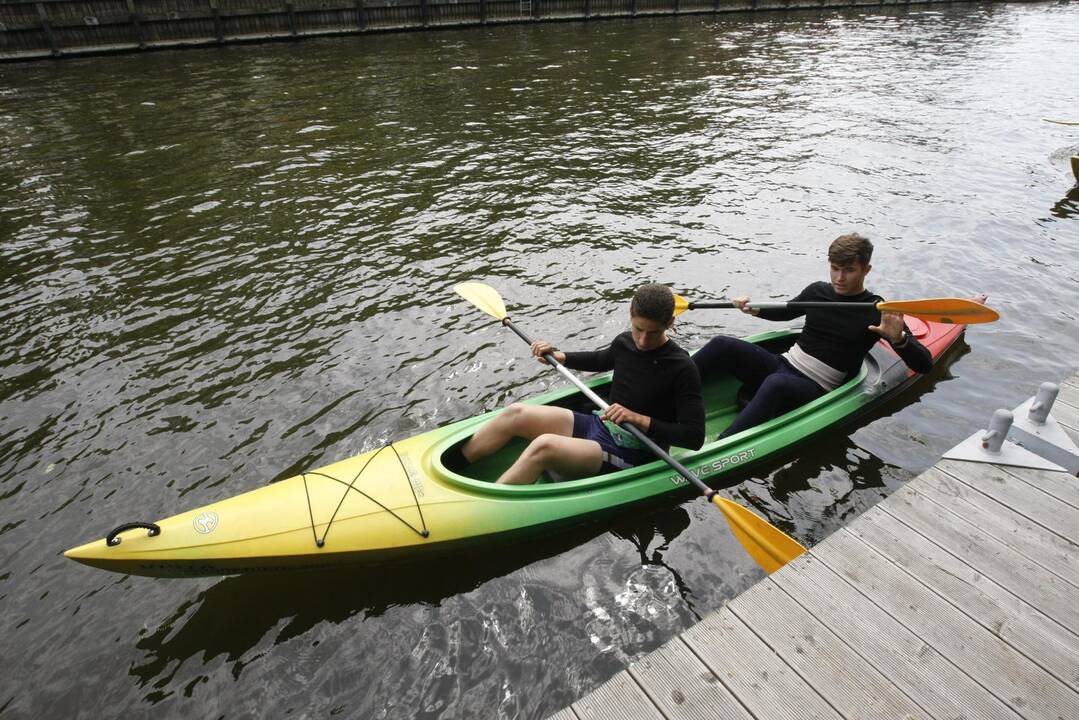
column 31, row 29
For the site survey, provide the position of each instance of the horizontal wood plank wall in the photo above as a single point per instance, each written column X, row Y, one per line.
column 33, row 29
column 955, row 597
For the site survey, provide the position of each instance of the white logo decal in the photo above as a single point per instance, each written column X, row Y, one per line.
column 718, row 466
column 205, row 523
column 412, row 475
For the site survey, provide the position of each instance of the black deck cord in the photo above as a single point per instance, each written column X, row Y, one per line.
column 320, row 542
column 412, row 487
column 113, row 538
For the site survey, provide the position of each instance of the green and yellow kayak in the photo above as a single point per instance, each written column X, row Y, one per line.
column 400, row 501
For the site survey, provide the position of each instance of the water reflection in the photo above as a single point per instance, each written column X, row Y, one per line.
column 239, row 620
column 1067, row 206
column 234, row 615
column 661, row 528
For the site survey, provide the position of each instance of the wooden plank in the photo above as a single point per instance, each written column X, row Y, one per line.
column 820, row 657
column 990, row 605
column 1065, row 412
column 1056, row 554
column 752, row 672
column 1002, row 670
column 1011, row 492
column 1030, row 581
column 1069, row 393
column 1062, row 486
column 916, row 668
column 682, row 686
column 617, row 699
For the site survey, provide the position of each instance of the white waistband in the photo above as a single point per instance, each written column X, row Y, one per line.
column 819, row 372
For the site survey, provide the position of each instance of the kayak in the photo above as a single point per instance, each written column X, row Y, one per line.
column 400, row 501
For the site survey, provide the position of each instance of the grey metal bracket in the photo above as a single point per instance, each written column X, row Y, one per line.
column 991, row 446
column 1036, row 430
column 1034, row 417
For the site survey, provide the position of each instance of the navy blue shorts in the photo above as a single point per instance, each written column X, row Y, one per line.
column 615, row 458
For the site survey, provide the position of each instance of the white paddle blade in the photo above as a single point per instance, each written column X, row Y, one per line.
column 485, row 297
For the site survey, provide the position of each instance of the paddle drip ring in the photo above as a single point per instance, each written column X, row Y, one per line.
column 320, row 542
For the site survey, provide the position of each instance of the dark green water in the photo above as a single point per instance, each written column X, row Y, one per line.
column 220, row 267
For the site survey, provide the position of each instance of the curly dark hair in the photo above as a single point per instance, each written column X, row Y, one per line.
column 846, row 249
column 653, row 302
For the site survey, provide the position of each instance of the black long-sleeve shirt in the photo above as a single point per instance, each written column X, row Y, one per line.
column 662, row 383
column 841, row 338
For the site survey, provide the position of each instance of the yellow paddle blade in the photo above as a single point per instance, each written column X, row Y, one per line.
column 953, row 311
column 1061, row 122
column 485, row 297
column 680, row 304
column 765, row 543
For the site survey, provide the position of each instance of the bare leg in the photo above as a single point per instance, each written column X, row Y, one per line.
column 527, row 421
column 573, row 457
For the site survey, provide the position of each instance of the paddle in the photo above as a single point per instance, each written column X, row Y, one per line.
column 765, row 543
column 953, row 311
column 1060, row 122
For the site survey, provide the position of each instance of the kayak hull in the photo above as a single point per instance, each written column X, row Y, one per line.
column 400, row 502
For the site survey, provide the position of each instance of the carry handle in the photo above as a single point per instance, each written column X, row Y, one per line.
column 113, row 538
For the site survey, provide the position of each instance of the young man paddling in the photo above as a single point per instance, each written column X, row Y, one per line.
column 830, row 348
column 655, row 386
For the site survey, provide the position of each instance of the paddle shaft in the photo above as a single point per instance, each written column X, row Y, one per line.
column 628, row 427
column 782, row 305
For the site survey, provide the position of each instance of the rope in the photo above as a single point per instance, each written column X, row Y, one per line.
column 424, row 532
column 352, row 486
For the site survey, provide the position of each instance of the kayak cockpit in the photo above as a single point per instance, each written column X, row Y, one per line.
column 723, row 398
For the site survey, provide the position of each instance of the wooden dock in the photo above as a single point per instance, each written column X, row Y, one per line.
column 956, row 597
column 39, row 29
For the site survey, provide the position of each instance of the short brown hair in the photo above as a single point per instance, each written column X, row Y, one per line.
column 845, row 249
column 653, row 302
